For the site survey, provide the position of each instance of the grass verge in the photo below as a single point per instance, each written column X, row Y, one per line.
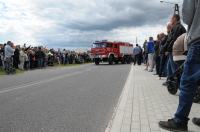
column 2, row 72
column 67, row 65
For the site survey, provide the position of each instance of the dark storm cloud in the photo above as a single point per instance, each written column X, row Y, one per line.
column 124, row 14
column 79, row 22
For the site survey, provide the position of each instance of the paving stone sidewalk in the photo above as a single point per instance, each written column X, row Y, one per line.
column 144, row 102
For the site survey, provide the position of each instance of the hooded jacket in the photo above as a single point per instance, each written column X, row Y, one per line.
column 179, row 48
column 191, row 16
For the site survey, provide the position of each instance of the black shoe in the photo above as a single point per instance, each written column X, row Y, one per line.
column 196, row 121
column 171, row 125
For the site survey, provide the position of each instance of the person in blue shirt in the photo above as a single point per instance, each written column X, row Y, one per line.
column 151, row 51
column 137, row 51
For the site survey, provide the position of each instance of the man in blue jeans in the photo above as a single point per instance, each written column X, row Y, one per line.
column 191, row 74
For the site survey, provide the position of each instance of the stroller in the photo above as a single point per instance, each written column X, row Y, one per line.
column 174, row 84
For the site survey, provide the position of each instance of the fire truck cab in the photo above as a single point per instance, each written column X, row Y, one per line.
column 112, row 52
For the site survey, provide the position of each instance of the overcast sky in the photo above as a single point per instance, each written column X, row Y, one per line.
column 78, row 23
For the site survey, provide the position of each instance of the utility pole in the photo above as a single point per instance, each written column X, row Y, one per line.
column 176, row 8
column 136, row 40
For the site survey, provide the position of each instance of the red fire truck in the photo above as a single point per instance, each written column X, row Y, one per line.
column 112, row 52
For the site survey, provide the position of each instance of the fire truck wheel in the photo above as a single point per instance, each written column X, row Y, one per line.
column 117, row 62
column 111, row 60
column 96, row 62
column 123, row 60
column 128, row 61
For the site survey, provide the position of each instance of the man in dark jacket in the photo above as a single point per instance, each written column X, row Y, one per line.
column 177, row 30
column 191, row 72
column 40, row 56
column 145, row 53
column 157, row 53
column 163, row 57
column 16, row 58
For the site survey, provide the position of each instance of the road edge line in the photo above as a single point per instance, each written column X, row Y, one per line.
column 114, row 124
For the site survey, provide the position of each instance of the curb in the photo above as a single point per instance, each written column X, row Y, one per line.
column 115, row 123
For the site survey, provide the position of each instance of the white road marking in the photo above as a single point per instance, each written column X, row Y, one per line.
column 114, row 124
column 40, row 82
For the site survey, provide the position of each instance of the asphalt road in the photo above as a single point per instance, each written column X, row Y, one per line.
column 71, row 99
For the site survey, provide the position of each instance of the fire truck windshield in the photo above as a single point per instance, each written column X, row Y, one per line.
column 99, row 45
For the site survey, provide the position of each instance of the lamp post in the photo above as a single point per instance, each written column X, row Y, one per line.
column 176, row 9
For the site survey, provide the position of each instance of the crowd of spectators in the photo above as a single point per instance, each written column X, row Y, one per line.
column 169, row 53
column 179, row 48
column 27, row 57
column 166, row 53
